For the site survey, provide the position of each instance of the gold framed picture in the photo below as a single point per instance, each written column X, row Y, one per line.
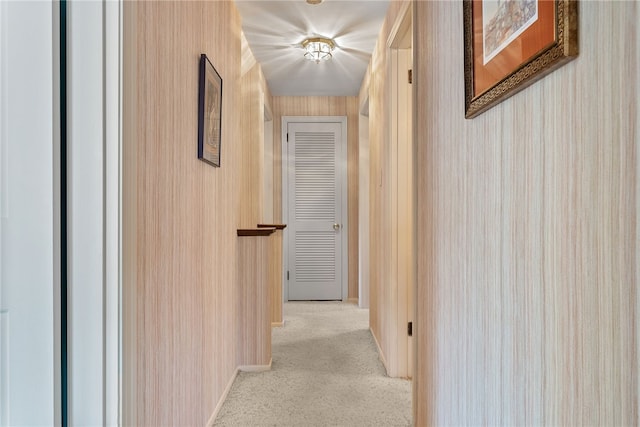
column 510, row 44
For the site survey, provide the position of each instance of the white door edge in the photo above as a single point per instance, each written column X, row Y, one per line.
column 342, row 170
column 94, row 37
column 113, row 208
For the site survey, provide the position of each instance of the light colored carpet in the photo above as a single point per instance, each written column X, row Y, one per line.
column 325, row 372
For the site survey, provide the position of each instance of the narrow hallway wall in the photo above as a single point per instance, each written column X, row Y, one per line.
column 179, row 214
column 255, row 96
column 528, row 233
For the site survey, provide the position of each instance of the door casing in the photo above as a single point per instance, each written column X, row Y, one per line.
column 401, row 179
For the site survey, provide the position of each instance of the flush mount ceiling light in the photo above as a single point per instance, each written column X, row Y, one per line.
column 314, row 1
column 318, row 49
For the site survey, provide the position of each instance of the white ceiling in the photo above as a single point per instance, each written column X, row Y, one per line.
column 275, row 31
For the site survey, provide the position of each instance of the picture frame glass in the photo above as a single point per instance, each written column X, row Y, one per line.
column 209, row 113
column 507, row 34
column 510, row 44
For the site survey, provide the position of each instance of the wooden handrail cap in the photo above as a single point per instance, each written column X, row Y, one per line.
column 276, row 226
column 263, row 231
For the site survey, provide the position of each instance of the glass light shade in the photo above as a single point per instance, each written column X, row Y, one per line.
column 318, row 49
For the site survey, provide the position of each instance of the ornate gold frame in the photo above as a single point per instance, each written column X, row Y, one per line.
column 563, row 50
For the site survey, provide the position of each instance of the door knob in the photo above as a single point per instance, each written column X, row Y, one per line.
column 336, row 227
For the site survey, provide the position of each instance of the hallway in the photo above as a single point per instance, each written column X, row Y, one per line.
column 497, row 256
column 325, row 371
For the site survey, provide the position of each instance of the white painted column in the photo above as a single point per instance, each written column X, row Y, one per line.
column 113, row 162
column 27, row 327
column 93, row 43
column 85, row 147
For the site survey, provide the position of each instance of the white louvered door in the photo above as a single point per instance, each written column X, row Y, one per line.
column 315, row 211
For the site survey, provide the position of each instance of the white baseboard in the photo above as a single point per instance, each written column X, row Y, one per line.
column 245, row 368
column 226, row 391
column 255, row 368
column 380, row 353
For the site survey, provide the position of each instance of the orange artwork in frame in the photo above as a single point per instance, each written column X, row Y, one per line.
column 510, row 44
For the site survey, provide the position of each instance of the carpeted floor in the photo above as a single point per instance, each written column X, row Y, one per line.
column 325, row 372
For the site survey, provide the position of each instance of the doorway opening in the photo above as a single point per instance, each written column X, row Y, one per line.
column 401, row 212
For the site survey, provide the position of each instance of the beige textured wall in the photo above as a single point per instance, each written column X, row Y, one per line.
column 179, row 214
column 388, row 321
column 255, row 95
column 364, row 183
column 323, row 106
column 528, row 233
column 253, row 307
column 256, row 98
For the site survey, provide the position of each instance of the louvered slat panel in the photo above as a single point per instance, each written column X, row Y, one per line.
column 315, row 256
column 314, row 208
column 315, row 176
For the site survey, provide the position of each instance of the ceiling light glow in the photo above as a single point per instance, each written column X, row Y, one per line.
column 318, row 49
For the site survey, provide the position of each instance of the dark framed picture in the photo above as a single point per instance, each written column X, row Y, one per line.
column 209, row 113
column 510, row 44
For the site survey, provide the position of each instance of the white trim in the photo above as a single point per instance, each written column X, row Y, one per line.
column 85, row 207
column 4, row 201
column 94, row 65
column 57, row 221
column 227, row 389
column 225, row 393
column 4, row 110
column 256, row 368
column 29, row 201
column 401, row 24
column 284, row 167
column 637, row 316
column 112, row 206
column 380, row 352
column 342, row 170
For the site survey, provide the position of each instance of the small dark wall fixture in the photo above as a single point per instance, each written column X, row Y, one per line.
column 209, row 113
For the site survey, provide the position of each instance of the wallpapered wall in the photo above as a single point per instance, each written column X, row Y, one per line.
column 179, row 214
column 528, row 233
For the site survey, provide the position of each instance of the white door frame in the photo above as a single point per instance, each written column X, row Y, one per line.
column 342, row 176
column 91, row 36
column 94, row 141
column 402, row 244
column 363, row 204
